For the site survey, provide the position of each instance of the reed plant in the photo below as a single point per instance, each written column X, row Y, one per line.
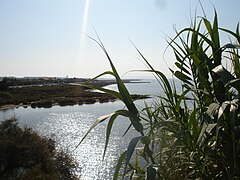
column 193, row 133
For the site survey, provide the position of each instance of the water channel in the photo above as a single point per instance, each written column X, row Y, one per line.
column 67, row 125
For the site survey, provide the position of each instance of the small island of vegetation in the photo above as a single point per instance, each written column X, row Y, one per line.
column 46, row 92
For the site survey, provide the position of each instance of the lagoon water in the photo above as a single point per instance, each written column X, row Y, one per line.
column 67, row 125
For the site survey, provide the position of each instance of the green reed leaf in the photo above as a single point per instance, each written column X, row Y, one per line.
column 108, row 91
column 223, row 74
column 125, row 95
column 202, row 136
column 119, row 165
column 108, row 132
column 131, row 147
column 98, row 121
column 135, row 121
column 215, row 31
column 151, row 173
column 234, row 34
column 180, row 99
column 233, row 116
column 208, row 26
column 183, row 77
column 193, row 123
column 213, row 109
column 222, row 108
column 180, row 66
column 234, row 83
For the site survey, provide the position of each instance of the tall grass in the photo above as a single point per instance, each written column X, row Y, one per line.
column 194, row 133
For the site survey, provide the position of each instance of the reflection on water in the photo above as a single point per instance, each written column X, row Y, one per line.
column 69, row 128
column 67, row 125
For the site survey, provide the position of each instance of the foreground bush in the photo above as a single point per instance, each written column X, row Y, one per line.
column 26, row 155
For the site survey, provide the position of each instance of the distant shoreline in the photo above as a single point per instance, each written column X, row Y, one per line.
column 46, row 95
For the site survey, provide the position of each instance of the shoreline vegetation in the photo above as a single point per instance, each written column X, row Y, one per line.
column 27, row 155
column 48, row 92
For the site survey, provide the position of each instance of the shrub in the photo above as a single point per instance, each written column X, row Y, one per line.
column 26, row 155
column 6, row 98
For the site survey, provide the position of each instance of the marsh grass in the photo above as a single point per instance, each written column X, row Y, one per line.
column 47, row 96
column 191, row 134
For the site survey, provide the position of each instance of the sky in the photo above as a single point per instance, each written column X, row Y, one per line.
column 51, row 37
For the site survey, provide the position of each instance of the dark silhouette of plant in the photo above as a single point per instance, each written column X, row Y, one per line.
column 26, row 155
column 3, row 84
column 6, row 98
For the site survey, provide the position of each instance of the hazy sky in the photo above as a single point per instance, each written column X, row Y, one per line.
column 44, row 37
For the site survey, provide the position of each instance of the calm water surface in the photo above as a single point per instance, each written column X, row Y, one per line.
column 67, row 125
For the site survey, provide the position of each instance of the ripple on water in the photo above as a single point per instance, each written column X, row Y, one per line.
column 68, row 129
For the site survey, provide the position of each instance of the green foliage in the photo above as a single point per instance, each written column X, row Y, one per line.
column 205, row 140
column 48, row 95
column 6, row 98
column 194, row 133
column 26, row 155
column 4, row 84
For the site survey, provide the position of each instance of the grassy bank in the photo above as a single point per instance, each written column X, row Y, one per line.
column 46, row 96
